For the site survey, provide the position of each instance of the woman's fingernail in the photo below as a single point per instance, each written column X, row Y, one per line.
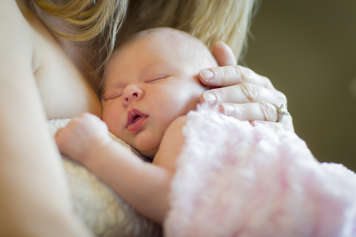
column 226, row 109
column 210, row 98
column 207, row 74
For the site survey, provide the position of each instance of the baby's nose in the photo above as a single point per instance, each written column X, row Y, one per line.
column 132, row 93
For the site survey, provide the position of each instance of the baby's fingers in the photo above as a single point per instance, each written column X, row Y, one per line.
column 58, row 137
column 63, row 141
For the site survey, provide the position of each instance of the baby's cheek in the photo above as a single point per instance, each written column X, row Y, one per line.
column 112, row 116
column 106, row 115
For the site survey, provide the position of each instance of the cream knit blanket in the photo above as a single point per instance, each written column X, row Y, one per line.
column 98, row 206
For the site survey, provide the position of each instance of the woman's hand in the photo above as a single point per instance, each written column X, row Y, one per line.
column 82, row 136
column 242, row 93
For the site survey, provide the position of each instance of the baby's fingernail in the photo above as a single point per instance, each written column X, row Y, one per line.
column 207, row 74
column 210, row 98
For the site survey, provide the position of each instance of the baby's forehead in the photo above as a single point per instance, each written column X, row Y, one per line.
column 164, row 37
column 168, row 35
column 166, row 43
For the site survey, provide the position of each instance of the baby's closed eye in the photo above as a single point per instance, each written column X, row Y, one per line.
column 157, row 78
column 112, row 95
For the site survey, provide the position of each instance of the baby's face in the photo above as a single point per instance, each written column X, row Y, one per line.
column 148, row 84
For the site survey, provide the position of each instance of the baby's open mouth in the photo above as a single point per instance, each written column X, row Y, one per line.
column 135, row 120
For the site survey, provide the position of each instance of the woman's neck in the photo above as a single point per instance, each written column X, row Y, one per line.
column 80, row 53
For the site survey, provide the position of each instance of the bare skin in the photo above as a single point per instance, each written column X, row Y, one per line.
column 40, row 78
column 159, row 88
column 163, row 84
column 32, row 85
column 143, row 185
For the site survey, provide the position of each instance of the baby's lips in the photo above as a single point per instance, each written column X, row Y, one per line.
column 132, row 115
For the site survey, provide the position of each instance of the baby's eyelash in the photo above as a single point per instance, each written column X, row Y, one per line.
column 160, row 77
column 110, row 97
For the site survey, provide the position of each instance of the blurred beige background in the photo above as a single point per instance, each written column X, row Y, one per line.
column 307, row 49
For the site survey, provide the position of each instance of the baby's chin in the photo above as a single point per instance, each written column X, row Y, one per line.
column 149, row 152
column 147, row 142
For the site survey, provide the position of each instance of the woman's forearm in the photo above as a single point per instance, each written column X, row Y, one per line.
column 43, row 224
column 34, row 197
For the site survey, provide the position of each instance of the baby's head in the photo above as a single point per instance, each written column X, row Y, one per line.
column 149, row 82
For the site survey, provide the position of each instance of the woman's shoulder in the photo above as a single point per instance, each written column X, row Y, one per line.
column 27, row 43
column 13, row 9
column 15, row 31
column 14, row 15
column 20, row 28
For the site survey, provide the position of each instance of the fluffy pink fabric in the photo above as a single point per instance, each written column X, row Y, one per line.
column 235, row 179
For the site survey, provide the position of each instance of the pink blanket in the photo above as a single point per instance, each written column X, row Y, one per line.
column 235, row 179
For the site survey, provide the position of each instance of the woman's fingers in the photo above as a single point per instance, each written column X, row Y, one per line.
column 232, row 75
column 223, row 54
column 285, row 123
column 251, row 111
column 244, row 93
column 259, row 113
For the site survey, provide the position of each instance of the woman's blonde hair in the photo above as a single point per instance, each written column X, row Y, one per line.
column 108, row 22
column 210, row 21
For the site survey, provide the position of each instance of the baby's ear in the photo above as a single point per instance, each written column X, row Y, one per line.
column 223, row 54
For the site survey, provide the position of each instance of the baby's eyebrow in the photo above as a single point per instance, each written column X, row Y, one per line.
column 149, row 70
column 115, row 84
column 156, row 70
column 109, row 88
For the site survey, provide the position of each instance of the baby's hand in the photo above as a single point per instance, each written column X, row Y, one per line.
column 82, row 136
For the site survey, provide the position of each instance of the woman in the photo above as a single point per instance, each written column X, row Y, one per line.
column 52, row 54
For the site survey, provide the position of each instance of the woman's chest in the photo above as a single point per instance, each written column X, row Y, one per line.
column 64, row 90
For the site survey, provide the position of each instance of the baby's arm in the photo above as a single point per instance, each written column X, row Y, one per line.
column 143, row 185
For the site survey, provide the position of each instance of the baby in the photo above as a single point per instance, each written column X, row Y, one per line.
column 150, row 85
column 232, row 177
